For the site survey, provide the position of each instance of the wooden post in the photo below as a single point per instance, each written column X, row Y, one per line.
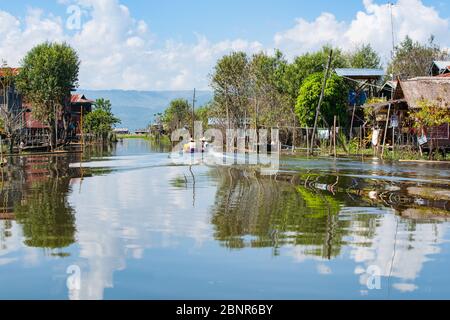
column 228, row 112
column 324, row 84
column 193, row 114
column 334, row 137
column 385, row 131
column 307, row 139
column 1, row 149
column 56, row 129
column 353, row 119
column 81, row 126
column 393, row 140
column 293, row 136
column 360, row 139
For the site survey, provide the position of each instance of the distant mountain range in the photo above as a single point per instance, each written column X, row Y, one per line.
column 136, row 109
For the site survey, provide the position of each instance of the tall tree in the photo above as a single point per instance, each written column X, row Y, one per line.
column 413, row 59
column 307, row 64
column 49, row 73
column 364, row 56
column 334, row 101
column 9, row 108
column 177, row 115
column 268, row 105
column 231, row 84
column 101, row 120
column 103, row 104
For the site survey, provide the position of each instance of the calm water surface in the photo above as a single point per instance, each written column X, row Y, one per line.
column 139, row 227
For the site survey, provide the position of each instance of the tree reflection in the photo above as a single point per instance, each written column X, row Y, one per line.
column 252, row 211
column 46, row 217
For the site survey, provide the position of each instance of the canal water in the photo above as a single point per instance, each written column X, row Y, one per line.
column 125, row 222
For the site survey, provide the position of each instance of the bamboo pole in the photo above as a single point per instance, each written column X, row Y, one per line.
column 353, row 119
column 324, row 84
column 81, row 127
column 307, row 139
column 1, row 149
column 193, row 114
column 385, row 131
column 334, row 137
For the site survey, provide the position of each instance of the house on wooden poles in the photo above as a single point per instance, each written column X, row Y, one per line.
column 20, row 122
column 364, row 84
column 394, row 113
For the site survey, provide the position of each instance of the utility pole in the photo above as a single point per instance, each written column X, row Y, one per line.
column 81, row 126
column 193, row 113
column 386, row 130
column 324, row 84
column 391, row 5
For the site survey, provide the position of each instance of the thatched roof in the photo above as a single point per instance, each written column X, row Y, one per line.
column 433, row 89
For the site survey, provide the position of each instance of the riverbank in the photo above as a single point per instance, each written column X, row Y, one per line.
column 160, row 139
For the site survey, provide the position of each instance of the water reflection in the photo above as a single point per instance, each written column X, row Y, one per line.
column 276, row 214
column 318, row 216
column 139, row 227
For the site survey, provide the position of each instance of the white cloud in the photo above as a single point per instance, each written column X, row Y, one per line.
column 116, row 50
column 119, row 51
column 306, row 36
column 373, row 25
column 405, row 287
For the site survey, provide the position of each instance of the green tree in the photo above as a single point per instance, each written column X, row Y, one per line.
column 364, row 56
column 177, row 115
column 202, row 114
column 9, row 119
column 268, row 105
column 334, row 102
column 49, row 73
column 101, row 120
column 413, row 59
column 307, row 64
column 231, row 84
column 103, row 104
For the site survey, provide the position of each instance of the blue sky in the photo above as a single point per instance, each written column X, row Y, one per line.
column 179, row 40
column 217, row 19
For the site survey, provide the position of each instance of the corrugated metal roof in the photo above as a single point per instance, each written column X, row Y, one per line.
column 79, row 98
column 442, row 65
column 354, row 72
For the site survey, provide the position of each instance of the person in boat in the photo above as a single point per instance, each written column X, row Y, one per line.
column 192, row 146
column 204, row 145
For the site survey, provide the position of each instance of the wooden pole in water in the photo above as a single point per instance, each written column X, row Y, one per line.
column 353, row 119
column 360, row 138
column 385, row 131
column 81, row 126
column 293, row 136
column 393, row 140
column 334, row 137
column 1, row 150
column 307, row 139
column 324, row 84
column 193, row 114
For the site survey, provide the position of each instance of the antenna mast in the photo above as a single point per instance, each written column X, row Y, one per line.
column 391, row 5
